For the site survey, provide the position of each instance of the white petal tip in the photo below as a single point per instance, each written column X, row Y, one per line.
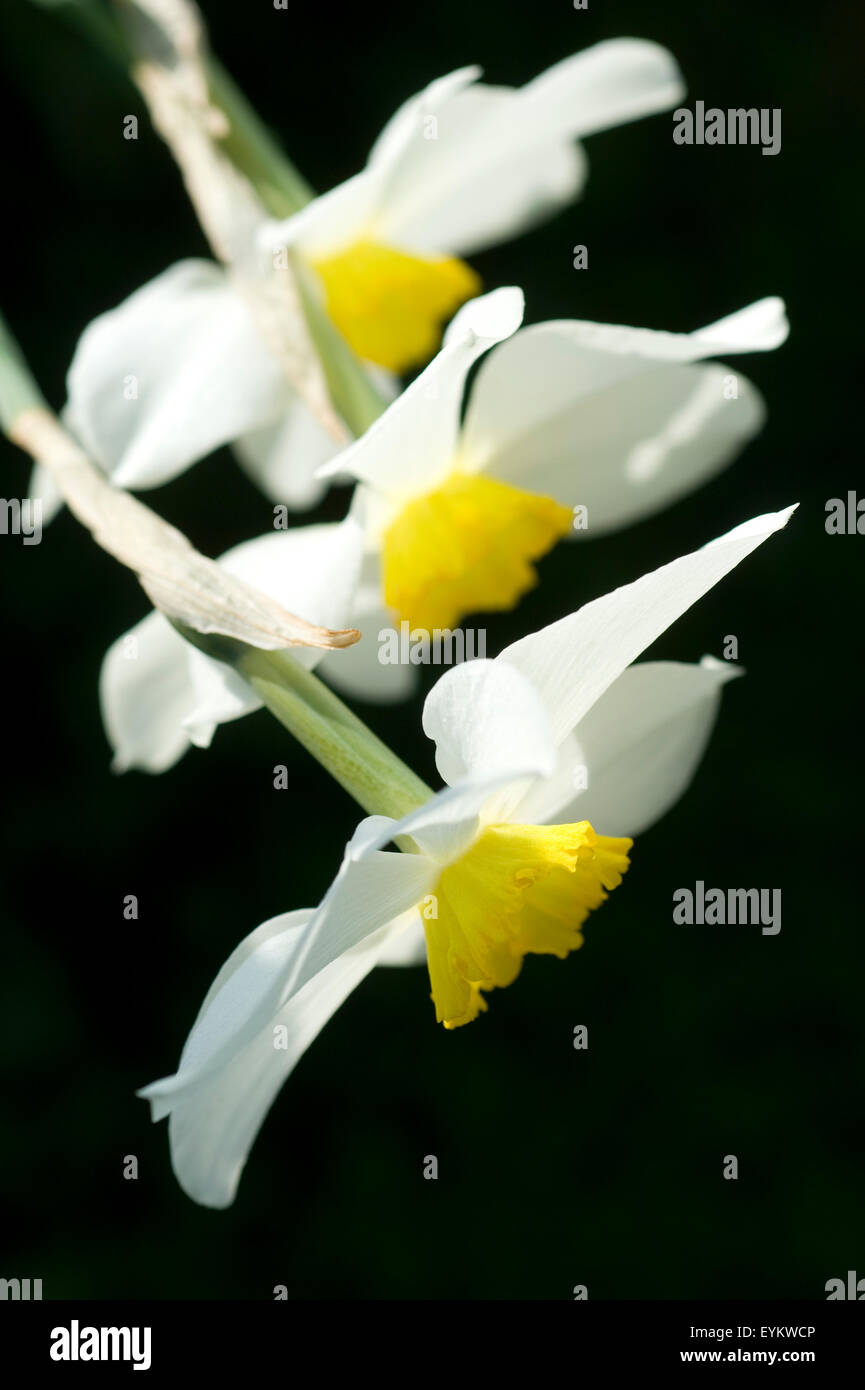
column 782, row 517
column 764, row 525
column 760, row 327
column 128, row 476
column 724, row 670
column 160, row 1106
column 769, row 322
column 493, row 316
column 200, row 735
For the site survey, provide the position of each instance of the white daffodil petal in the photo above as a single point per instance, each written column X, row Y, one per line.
column 485, row 718
column 172, row 373
column 372, row 889
column 445, row 826
column 531, row 386
column 360, row 671
column 759, row 327
column 145, row 694
column 637, row 748
column 407, row 947
column 312, row 571
column 159, row 694
column 411, row 445
column 330, row 221
column 406, row 125
column 212, row 1132
column 485, row 163
column 604, row 86
column 489, row 173
column 351, row 211
column 242, row 1002
column 626, row 452
column 220, row 695
column 545, row 799
column 282, row 459
column 213, row 1126
column 572, row 662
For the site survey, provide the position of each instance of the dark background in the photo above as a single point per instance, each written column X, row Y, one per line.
column 557, row 1167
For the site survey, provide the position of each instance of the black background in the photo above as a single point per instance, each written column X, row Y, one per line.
column 557, row 1167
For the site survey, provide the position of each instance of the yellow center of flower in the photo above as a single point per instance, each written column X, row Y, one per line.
column 390, row 306
column 520, row 889
column 467, row 547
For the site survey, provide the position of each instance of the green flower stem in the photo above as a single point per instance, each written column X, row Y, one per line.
column 249, row 144
column 352, row 392
column 97, row 23
column 377, row 779
column 254, row 151
column 364, row 766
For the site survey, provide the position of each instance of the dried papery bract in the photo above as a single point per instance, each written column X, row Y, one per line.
column 188, row 588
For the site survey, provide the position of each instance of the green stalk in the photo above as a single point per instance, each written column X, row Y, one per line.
column 352, row 392
column 98, row 24
column 355, row 757
column 252, row 149
column 377, row 779
column 249, row 144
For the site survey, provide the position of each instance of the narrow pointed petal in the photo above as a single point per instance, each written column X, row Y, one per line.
column 617, row 420
column 572, row 662
column 604, row 86
column 495, row 160
column 372, row 889
column 411, row 446
column 212, row 1133
column 493, row 169
column 267, row 1005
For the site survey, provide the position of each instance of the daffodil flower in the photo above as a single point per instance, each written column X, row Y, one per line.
column 177, row 370
column 571, row 429
column 181, row 367
column 618, row 421
column 159, row 695
column 508, row 859
column 460, row 167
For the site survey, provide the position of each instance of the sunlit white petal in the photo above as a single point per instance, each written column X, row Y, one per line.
column 412, row 444
column 636, row 750
column 572, row 662
column 173, row 372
